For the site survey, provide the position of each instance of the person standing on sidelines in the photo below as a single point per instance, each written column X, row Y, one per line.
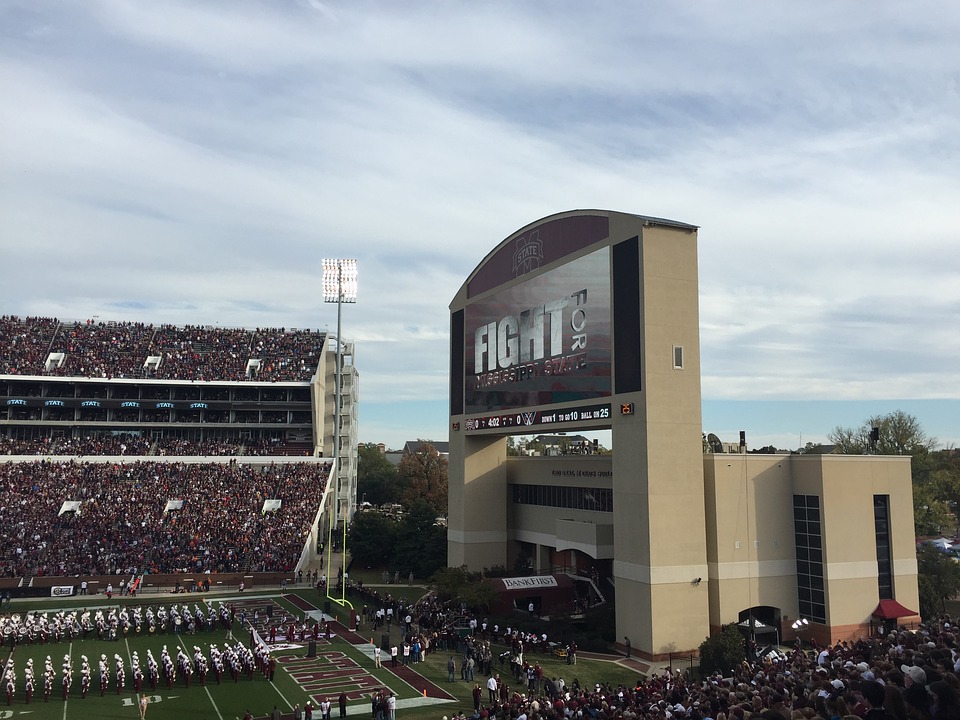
column 391, row 706
column 492, row 687
column 144, row 701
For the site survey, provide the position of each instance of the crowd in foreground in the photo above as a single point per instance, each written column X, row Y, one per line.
column 79, row 518
column 906, row 675
column 96, row 349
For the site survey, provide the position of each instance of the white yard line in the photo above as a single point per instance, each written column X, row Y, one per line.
column 205, row 688
column 282, row 696
column 70, row 653
column 136, row 696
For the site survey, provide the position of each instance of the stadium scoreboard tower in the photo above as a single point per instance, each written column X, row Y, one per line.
column 589, row 320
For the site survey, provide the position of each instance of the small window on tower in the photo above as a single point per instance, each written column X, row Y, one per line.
column 678, row 357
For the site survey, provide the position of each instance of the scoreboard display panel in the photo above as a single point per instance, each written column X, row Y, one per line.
column 541, row 342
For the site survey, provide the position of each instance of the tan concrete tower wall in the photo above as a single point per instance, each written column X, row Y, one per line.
column 750, row 538
column 658, row 462
column 848, row 484
column 477, row 529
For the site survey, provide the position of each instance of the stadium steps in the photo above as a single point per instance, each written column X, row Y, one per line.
column 53, row 338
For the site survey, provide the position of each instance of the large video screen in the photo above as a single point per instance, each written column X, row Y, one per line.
column 544, row 341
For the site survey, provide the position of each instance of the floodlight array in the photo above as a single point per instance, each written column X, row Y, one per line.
column 339, row 280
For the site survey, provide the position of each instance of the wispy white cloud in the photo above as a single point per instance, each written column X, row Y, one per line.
column 193, row 162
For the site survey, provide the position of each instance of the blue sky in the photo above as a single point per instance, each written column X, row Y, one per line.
column 193, row 162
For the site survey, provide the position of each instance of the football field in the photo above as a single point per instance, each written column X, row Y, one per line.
column 342, row 664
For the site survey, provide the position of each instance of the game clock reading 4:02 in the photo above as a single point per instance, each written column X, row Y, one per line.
column 534, row 418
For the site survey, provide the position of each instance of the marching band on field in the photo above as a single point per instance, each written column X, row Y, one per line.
column 41, row 627
column 233, row 660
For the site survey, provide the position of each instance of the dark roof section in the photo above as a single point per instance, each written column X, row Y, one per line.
column 412, row 446
column 494, row 268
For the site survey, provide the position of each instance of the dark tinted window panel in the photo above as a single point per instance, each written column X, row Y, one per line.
column 575, row 498
column 456, row 363
column 881, row 515
column 626, row 315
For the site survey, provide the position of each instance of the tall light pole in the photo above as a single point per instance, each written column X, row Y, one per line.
column 339, row 286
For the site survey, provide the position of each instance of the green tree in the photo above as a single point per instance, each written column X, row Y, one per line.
column 479, row 596
column 944, row 480
column 378, row 480
column 931, row 514
column 460, row 586
column 447, row 582
column 722, row 652
column 371, row 538
column 424, row 473
column 938, row 579
column 420, row 544
column 899, row 434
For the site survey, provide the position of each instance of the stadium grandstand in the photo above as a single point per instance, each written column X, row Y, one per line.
column 129, row 449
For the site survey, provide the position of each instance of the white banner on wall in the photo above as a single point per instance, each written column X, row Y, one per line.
column 537, row 581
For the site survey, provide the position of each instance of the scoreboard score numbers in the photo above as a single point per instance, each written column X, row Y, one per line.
column 538, row 418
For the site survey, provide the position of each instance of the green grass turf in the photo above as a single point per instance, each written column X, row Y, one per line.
column 229, row 701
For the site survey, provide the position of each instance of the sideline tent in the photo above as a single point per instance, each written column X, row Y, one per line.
column 891, row 610
column 754, row 628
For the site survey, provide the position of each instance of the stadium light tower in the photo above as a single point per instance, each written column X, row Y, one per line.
column 339, row 286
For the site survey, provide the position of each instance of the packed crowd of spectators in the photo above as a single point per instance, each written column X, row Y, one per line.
column 101, row 444
column 904, row 675
column 123, row 523
column 132, row 445
column 220, row 448
column 25, row 343
column 120, row 349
